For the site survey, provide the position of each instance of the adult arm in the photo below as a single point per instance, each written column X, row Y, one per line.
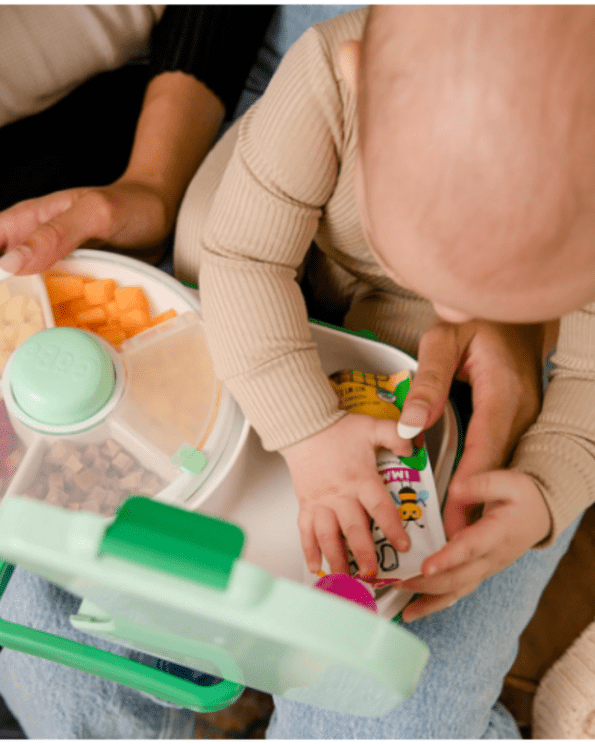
column 180, row 118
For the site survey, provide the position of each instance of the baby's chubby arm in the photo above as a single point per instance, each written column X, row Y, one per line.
column 338, row 488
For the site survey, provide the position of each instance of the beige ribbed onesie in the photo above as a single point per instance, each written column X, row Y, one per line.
column 288, row 182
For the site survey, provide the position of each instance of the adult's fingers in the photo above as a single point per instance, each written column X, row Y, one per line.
column 20, row 220
column 439, row 357
column 88, row 217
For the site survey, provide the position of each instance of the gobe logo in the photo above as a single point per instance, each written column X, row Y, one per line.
column 54, row 360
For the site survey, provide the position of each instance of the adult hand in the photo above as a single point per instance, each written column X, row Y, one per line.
column 503, row 365
column 126, row 215
column 338, row 488
column 515, row 518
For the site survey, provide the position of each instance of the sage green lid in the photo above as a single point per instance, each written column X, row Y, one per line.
column 61, row 376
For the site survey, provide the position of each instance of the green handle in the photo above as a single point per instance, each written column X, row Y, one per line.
column 111, row 666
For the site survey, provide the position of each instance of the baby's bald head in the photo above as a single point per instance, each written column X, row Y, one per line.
column 477, row 154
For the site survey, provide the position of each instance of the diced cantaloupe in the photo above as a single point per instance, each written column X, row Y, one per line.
column 75, row 307
column 63, row 287
column 135, row 319
column 131, row 298
column 100, row 291
column 115, row 313
column 114, row 334
column 112, row 309
column 95, row 314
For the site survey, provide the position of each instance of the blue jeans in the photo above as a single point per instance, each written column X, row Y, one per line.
column 473, row 644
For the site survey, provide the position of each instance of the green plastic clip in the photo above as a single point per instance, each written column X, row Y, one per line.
column 189, row 459
column 187, row 544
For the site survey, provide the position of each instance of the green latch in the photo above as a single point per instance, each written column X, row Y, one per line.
column 187, row 544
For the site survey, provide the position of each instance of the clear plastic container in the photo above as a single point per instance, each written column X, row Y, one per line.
column 89, row 423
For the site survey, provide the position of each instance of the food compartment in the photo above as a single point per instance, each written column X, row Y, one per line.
column 24, row 310
column 103, row 305
column 93, row 472
column 172, row 396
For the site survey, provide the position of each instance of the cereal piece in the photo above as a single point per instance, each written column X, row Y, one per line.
column 151, row 484
column 101, row 464
column 55, row 481
column 5, row 345
column 110, row 448
column 26, row 330
column 14, row 309
column 60, row 451
column 32, row 309
column 56, row 497
column 132, row 481
column 63, row 287
column 123, row 463
column 4, row 355
column 38, row 488
column 74, row 463
column 100, row 291
column 98, row 493
column 90, row 454
column 86, row 479
column 10, row 332
column 107, row 510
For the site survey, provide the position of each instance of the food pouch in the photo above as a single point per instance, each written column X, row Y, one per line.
column 409, row 480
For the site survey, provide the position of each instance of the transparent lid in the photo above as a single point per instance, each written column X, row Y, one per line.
column 174, row 584
column 90, row 416
column 172, row 395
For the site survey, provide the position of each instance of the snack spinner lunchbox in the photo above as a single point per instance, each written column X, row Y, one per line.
column 131, row 478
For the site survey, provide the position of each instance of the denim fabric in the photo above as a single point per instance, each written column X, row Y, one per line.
column 473, row 644
column 51, row 701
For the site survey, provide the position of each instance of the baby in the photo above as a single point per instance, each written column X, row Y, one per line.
column 427, row 174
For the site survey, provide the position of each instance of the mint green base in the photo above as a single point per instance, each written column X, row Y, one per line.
column 225, row 616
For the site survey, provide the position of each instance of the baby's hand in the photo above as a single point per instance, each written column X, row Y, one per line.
column 515, row 518
column 338, row 488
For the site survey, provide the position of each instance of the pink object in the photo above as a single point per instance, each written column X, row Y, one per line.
column 348, row 588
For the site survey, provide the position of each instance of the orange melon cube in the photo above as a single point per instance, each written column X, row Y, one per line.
column 80, row 305
column 61, row 311
column 131, row 298
column 167, row 315
column 112, row 333
column 136, row 318
column 63, row 287
column 95, row 314
column 100, row 291
column 111, row 309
